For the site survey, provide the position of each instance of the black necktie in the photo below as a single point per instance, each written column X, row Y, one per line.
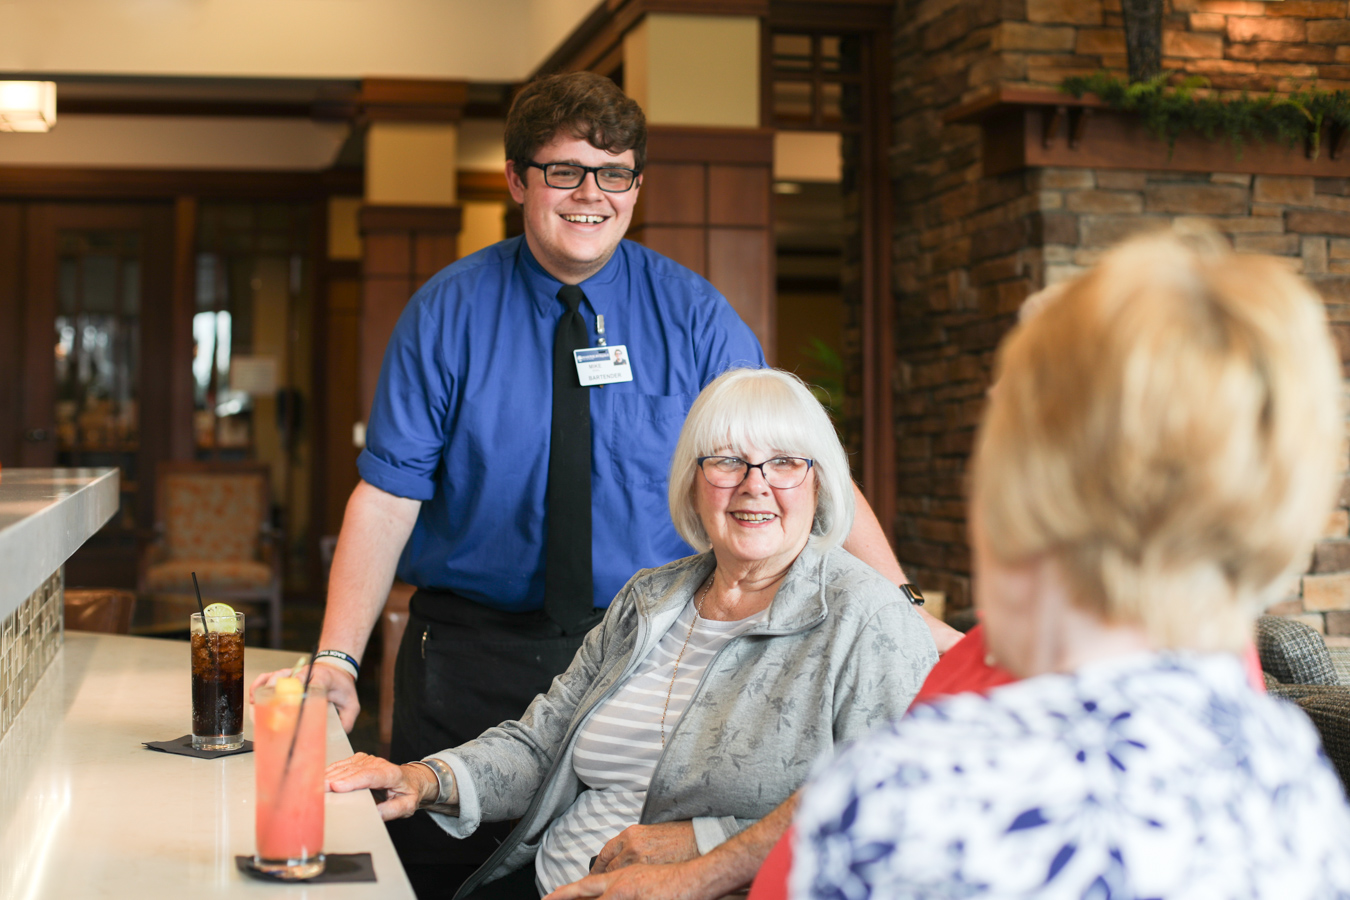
column 567, row 551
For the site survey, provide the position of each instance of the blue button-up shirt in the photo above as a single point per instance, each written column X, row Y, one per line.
column 461, row 417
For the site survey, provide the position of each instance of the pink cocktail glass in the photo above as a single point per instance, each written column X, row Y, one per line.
column 290, row 791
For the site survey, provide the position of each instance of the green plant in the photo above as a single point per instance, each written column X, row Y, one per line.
column 1169, row 112
column 827, row 380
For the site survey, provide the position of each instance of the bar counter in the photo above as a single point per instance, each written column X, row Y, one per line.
column 87, row 811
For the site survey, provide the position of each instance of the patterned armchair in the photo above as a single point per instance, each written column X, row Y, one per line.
column 1300, row 667
column 215, row 519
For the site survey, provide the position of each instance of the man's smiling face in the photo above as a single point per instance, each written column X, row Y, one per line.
column 572, row 233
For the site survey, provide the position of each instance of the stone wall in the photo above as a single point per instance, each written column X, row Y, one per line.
column 969, row 248
column 1238, row 45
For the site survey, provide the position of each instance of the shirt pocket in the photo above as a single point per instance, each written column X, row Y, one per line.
column 643, row 433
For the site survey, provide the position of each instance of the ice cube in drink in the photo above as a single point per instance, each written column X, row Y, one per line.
column 218, row 682
column 289, row 771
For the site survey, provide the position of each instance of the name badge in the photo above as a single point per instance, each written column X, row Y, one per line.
column 603, row 365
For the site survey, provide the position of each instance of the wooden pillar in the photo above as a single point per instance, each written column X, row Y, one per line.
column 707, row 187
column 705, row 204
column 404, row 246
column 410, row 220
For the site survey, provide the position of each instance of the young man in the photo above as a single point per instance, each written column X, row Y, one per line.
column 470, row 484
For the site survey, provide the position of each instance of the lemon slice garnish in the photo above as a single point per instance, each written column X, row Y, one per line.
column 221, row 618
column 289, row 689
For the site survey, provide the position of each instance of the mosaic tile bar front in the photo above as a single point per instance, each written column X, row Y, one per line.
column 29, row 640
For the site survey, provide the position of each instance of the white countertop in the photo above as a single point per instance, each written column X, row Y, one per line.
column 45, row 515
column 86, row 811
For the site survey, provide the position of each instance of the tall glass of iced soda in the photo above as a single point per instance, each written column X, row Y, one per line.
column 218, row 680
column 289, row 768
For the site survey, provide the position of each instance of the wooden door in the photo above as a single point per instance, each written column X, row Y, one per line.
column 96, row 363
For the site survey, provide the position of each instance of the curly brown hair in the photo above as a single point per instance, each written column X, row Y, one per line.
column 585, row 105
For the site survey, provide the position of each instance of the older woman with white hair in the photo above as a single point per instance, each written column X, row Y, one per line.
column 712, row 685
column 1164, row 444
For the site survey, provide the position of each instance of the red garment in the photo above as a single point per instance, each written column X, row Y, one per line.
column 961, row 669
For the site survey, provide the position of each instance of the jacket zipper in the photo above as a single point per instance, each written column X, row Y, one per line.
column 513, row 841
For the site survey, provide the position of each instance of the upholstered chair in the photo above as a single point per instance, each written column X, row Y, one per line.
column 214, row 518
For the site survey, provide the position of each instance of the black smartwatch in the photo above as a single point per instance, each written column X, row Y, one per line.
column 913, row 593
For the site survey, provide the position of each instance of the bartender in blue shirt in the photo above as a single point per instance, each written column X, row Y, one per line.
column 455, row 492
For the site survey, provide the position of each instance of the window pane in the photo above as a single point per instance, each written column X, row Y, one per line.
column 792, row 52
column 99, row 287
column 131, row 285
column 829, row 54
column 850, row 54
column 792, row 100
column 68, row 286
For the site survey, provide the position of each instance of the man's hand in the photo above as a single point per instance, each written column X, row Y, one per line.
column 639, row 882
column 341, row 689
column 669, row 842
column 944, row 635
column 407, row 787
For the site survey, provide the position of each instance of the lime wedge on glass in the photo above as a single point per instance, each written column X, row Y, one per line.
column 220, row 618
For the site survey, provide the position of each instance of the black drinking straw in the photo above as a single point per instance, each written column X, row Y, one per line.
column 215, row 658
column 196, row 587
column 304, row 695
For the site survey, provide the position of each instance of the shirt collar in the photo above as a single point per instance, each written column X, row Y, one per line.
column 603, row 289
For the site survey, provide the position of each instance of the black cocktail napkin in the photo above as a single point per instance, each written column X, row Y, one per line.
column 183, row 747
column 337, row 867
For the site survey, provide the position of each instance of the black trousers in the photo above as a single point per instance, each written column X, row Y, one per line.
column 463, row 668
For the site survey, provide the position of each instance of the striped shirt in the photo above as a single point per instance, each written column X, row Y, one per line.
column 618, row 746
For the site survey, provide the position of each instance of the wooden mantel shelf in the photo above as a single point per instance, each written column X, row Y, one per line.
column 1026, row 127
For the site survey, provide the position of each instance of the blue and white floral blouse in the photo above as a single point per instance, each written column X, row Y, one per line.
column 1148, row 776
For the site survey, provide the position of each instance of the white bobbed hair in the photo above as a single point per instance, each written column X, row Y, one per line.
column 771, row 409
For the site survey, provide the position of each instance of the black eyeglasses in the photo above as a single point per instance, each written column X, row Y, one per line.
column 781, row 472
column 566, row 176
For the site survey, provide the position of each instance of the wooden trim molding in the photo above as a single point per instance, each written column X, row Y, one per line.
column 679, row 144
column 591, row 46
column 42, row 182
column 374, row 218
column 835, row 17
column 412, row 100
column 481, row 186
column 1030, row 127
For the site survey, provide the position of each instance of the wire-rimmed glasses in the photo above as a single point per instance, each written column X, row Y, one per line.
column 780, row 472
column 568, row 176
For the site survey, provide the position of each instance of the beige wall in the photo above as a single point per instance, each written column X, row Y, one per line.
column 169, row 142
column 500, row 40
column 694, row 70
column 411, row 163
column 807, row 156
column 481, row 147
column 484, row 225
column 344, row 230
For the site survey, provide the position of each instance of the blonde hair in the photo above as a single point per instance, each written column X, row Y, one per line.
column 1168, row 429
column 771, row 409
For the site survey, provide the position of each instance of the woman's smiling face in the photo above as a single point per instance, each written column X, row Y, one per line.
column 752, row 523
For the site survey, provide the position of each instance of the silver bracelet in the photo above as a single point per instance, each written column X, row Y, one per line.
column 445, row 778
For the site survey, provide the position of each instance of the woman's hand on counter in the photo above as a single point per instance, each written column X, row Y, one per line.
column 669, row 842
column 341, row 689
column 682, row 881
column 407, row 787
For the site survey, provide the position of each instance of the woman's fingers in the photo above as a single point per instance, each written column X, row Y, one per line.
column 397, row 806
column 363, row 771
column 590, row 886
column 608, row 853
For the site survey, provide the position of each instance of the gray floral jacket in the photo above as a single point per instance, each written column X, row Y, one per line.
column 840, row 653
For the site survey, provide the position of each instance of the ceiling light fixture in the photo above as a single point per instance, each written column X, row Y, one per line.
column 27, row 105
